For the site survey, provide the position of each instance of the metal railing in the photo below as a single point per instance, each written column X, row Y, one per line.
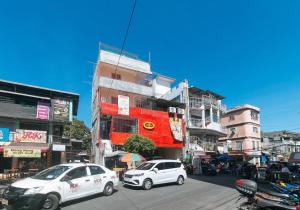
column 196, row 122
column 198, row 103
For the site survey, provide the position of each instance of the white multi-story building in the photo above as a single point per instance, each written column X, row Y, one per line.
column 203, row 111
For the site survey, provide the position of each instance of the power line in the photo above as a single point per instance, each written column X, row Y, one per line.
column 123, row 45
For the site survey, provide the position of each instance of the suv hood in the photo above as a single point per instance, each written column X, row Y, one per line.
column 30, row 183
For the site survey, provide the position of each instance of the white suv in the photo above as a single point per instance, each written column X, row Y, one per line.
column 156, row 172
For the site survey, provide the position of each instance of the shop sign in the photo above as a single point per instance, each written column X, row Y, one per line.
column 22, row 152
column 176, row 128
column 123, row 105
column 31, row 136
column 61, row 110
column 59, row 147
column 4, row 134
column 42, row 111
column 149, row 125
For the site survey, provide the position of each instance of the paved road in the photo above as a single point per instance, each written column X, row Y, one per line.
column 205, row 193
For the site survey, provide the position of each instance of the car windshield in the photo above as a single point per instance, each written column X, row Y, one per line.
column 51, row 173
column 145, row 166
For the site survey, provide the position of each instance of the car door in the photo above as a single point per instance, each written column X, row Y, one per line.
column 160, row 176
column 76, row 183
column 170, row 172
column 98, row 178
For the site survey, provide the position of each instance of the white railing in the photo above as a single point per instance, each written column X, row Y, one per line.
column 199, row 103
column 125, row 86
column 196, row 123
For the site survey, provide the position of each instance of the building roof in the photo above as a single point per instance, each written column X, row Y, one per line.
column 38, row 92
column 242, row 107
column 198, row 91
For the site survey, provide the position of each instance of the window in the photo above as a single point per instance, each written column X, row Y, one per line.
column 238, row 145
column 51, row 173
column 125, row 125
column 254, row 115
column 77, row 173
column 231, row 117
column 114, row 100
column 233, row 130
column 116, row 76
column 145, row 166
column 255, row 129
column 253, row 145
column 96, row 170
column 160, row 166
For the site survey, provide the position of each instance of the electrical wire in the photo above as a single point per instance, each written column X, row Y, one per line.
column 123, row 45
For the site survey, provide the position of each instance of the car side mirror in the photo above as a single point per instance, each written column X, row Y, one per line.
column 155, row 170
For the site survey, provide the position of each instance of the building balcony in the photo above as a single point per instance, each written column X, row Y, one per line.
column 200, row 103
column 125, row 86
column 209, row 127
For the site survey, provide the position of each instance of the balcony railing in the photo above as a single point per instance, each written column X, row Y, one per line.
column 199, row 103
column 125, row 86
column 196, row 122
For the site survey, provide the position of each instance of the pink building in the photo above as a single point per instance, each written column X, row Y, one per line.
column 243, row 133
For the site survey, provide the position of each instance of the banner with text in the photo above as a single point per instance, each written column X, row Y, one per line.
column 31, row 136
column 42, row 111
column 16, row 152
column 123, row 105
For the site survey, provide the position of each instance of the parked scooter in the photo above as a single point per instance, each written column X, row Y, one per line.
column 264, row 197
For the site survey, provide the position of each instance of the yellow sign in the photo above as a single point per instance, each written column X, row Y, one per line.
column 16, row 152
column 149, row 125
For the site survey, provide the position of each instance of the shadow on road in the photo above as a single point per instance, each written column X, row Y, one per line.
column 153, row 187
column 221, row 180
column 74, row 202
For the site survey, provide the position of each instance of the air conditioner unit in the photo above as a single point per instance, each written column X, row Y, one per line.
column 180, row 111
column 103, row 99
column 172, row 110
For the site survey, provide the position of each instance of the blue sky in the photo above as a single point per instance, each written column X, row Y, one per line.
column 248, row 51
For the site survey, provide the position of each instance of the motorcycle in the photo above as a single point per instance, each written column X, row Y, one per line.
column 264, row 196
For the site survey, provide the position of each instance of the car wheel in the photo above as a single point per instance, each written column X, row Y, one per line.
column 147, row 184
column 108, row 189
column 180, row 180
column 51, row 202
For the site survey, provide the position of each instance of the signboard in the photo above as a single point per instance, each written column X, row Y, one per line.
column 21, row 152
column 4, row 134
column 123, row 105
column 61, row 110
column 42, row 111
column 149, row 125
column 176, row 128
column 31, row 136
column 59, row 147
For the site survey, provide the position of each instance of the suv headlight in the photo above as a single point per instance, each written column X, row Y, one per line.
column 142, row 174
column 33, row 190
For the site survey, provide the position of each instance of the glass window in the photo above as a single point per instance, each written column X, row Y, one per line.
column 233, row 130
column 114, row 100
column 231, row 117
column 51, row 173
column 253, row 145
column 239, row 145
column 254, row 115
column 160, row 166
column 116, row 76
column 145, row 166
column 125, row 125
column 169, row 165
column 96, row 170
column 255, row 129
column 77, row 173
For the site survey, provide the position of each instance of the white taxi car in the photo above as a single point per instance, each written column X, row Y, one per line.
column 58, row 184
column 156, row 172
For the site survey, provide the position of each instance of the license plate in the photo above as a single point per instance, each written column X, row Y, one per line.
column 4, row 202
